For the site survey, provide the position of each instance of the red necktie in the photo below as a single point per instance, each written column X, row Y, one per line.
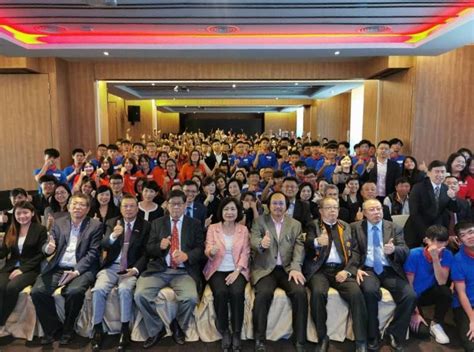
column 174, row 243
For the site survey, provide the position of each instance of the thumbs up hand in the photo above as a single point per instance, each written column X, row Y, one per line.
column 323, row 239
column 389, row 248
column 51, row 245
column 118, row 230
column 266, row 240
column 165, row 243
column 208, row 221
column 49, row 222
column 213, row 250
column 359, row 215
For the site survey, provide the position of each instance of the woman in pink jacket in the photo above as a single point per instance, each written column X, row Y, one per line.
column 228, row 250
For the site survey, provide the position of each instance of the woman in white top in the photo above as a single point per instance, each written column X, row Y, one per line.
column 228, row 250
column 22, row 246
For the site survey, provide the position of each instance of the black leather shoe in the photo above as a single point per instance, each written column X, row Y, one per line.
column 300, row 347
column 66, row 338
column 47, row 340
column 152, row 341
column 394, row 344
column 259, row 346
column 361, row 347
column 236, row 342
column 96, row 342
column 323, row 345
column 226, row 340
column 373, row 345
column 124, row 341
column 178, row 334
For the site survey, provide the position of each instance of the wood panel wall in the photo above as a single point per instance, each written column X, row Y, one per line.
column 273, row 121
column 444, row 104
column 333, row 117
column 26, row 128
column 168, row 122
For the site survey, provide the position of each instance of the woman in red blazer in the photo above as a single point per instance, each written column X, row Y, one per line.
column 227, row 270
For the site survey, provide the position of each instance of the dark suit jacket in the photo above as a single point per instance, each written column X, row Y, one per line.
column 158, row 213
column 211, row 160
column 31, row 255
column 393, row 172
column 424, row 213
column 41, row 203
column 88, row 245
column 199, row 213
column 464, row 212
column 192, row 243
column 302, row 213
column 136, row 256
column 316, row 258
column 389, row 231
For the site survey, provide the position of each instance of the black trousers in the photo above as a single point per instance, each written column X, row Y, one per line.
column 263, row 299
column 402, row 294
column 462, row 324
column 9, row 291
column 74, row 292
column 439, row 296
column 348, row 290
column 223, row 295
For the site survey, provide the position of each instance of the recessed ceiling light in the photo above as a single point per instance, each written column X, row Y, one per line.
column 332, row 92
column 296, row 83
column 234, row 85
column 276, row 98
column 174, row 98
column 337, row 52
column 153, row 84
column 186, row 106
column 106, row 53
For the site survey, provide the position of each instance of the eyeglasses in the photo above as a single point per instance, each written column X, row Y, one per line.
column 276, row 203
column 174, row 205
column 330, row 208
column 80, row 205
column 60, row 193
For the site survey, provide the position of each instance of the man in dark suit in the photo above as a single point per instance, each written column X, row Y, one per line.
column 430, row 202
column 383, row 252
column 193, row 209
column 332, row 260
column 383, row 171
column 41, row 199
column 176, row 249
column 296, row 208
column 74, row 244
column 277, row 256
column 216, row 157
column 124, row 246
column 332, row 191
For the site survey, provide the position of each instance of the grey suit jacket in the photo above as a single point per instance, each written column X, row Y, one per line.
column 390, row 231
column 290, row 245
column 88, row 244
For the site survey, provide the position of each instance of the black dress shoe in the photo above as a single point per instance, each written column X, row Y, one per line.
column 300, row 347
column 373, row 345
column 226, row 342
column 178, row 334
column 152, row 341
column 96, row 341
column 66, row 338
column 47, row 340
column 394, row 344
column 124, row 341
column 236, row 342
column 323, row 345
column 259, row 346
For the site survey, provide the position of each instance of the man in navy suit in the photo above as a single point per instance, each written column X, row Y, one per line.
column 430, row 202
column 74, row 244
column 193, row 209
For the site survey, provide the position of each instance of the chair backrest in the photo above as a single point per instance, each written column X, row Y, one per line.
column 400, row 220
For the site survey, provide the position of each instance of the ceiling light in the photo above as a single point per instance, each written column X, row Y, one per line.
column 233, row 86
column 186, row 106
column 276, row 98
column 332, row 92
column 337, row 52
column 106, row 53
column 296, row 83
column 176, row 89
column 153, row 84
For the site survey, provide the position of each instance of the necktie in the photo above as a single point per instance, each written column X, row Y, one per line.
column 126, row 243
column 174, row 243
column 377, row 243
column 188, row 211
column 436, row 193
column 291, row 209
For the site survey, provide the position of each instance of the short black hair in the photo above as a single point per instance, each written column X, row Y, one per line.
column 48, row 178
column 239, row 183
column 78, row 150
column 18, row 191
column 138, row 144
column 151, row 185
column 437, row 232
column 436, row 163
column 176, row 193
column 345, row 144
column 300, row 163
column 101, row 145
column 278, row 174
column 315, row 144
column 52, row 152
column 116, row 177
column 128, row 196
column 290, row 179
column 226, row 201
column 395, row 141
column 331, row 146
column 383, row 141
column 112, row 147
column 190, row 183
column 462, row 225
column 365, row 141
column 401, row 180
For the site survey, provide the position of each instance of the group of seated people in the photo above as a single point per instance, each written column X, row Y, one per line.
column 183, row 211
